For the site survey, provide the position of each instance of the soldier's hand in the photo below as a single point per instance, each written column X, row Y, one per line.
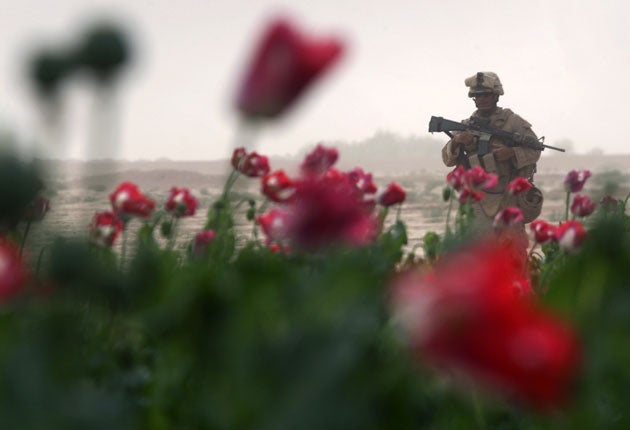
column 504, row 153
column 462, row 138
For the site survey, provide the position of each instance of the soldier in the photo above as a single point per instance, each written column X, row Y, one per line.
column 507, row 162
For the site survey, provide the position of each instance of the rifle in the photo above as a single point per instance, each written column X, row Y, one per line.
column 484, row 132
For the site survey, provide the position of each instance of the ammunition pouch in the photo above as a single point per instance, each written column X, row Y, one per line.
column 530, row 203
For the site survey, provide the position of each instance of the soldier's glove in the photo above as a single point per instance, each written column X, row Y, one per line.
column 462, row 138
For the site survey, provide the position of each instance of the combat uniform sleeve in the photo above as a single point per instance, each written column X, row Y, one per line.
column 523, row 156
column 450, row 155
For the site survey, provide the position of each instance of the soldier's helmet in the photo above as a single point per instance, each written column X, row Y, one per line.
column 484, row 82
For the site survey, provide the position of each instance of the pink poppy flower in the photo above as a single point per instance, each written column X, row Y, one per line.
column 284, row 64
column 508, row 217
column 455, row 179
column 582, row 206
column 477, row 178
column 575, row 179
column 105, row 229
column 181, row 202
column 468, row 194
column 519, row 185
column 128, row 200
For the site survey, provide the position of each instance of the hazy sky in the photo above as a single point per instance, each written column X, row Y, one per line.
column 564, row 65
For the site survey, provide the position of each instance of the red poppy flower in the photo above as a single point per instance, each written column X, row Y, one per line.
column 319, row 161
column 181, row 202
column 105, row 228
column 238, row 156
column 575, row 179
column 13, row 275
column 582, row 206
column 284, row 64
column 543, row 231
column 519, row 185
column 277, row 186
column 127, row 200
column 467, row 317
column 254, row 165
column 392, row 195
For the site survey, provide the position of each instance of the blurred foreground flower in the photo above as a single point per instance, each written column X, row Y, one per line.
column 326, row 207
column 468, row 317
column 201, row 242
column 329, row 211
column 127, row 200
column 283, row 65
column 13, row 275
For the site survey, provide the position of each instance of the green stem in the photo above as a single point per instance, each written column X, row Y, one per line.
column 479, row 414
column 566, row 206
column 26, row 230
column 39, row 260
column 448, row 212
column 123, row 251
column 173, row 235
column 625, row 202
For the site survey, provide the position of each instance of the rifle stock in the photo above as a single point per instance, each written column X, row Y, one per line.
column 440, row 124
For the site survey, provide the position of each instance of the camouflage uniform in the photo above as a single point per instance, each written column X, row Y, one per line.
column 522, row 164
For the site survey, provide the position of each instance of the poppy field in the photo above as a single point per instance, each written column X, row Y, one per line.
column 308, row 299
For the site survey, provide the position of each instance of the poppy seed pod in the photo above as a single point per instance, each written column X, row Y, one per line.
column 104, row 51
